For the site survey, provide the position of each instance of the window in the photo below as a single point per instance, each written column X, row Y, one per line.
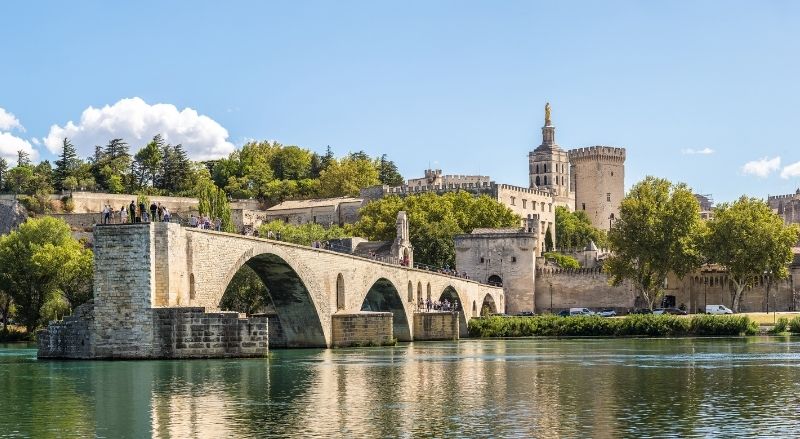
column 537, row 180
column 550, row 207
column 545, row 169
column 583, row 206
column 513, row 259
column 524, row 202
column 481, row 260
column 513, row 199
column 545, row 180
column 612, row 173
column 537, row 169
column 608, row 197
column 542, row 206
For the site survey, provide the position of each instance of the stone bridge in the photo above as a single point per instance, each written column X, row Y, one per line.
column 170, row 266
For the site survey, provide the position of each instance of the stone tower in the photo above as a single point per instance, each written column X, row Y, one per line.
column 598, row 179
column 549, row 166
column 401, row 247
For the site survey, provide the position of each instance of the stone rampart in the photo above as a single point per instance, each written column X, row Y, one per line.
column 436, row 326
column 560, row 289
column 72, row 337
column 362, row 329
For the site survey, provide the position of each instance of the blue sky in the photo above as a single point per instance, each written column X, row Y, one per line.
column 457, row 85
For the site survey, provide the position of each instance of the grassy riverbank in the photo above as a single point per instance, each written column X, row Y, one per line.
column 632, row 325
column 14, row 334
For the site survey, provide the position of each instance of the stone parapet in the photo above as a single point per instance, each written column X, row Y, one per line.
column 596, row 152
column 436, row 326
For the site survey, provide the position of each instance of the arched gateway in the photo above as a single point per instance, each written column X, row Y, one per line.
column 143, row 268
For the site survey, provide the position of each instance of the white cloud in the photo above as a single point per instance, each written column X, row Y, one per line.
column 35, row 141
column 704, row 151
column 9, row 122
column 136, row 122
column 792, row 170
column 10, row 144
column 762, row 167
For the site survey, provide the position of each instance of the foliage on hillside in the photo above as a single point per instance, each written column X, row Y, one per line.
column 433, row 222
column 575, row 231
column 563, row 261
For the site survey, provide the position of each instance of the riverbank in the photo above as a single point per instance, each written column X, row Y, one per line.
column 13, row 334
column 629, row 326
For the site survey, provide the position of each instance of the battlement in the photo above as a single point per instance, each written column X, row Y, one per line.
column 783, row 197
column 406, row 189
column 524, row 190
column 597, row 152
column 569, row 271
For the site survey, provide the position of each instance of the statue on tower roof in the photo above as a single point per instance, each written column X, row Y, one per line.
column 547, row 114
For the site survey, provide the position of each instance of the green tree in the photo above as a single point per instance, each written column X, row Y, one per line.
column 659, row 231
column 245, row 293
column 548, row 240
column 347, row 176
column 212, row 201
column 750, row 241
column 3, row 172
column 23, row 158
column 574, row 230
column 147, row 163
column 67, row 163
column 388, row 173
column 41, row 262
column 433, row 221
column 291, row 163
column 303, row 234
column 19, row 179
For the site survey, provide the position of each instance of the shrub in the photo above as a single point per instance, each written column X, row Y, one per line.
column 780, row 326
column 794, row 325
column 632, row 325
column 563, row 261
column 68, row 204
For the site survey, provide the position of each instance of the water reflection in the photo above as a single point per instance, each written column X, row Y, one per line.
column 503, row 388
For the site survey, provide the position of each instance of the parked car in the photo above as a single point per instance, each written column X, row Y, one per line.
column 607, row 313
column 641, row 311
column 673, row 311
column 718, row 309
column 580, row 312
column 564, row 313
column 527, row 314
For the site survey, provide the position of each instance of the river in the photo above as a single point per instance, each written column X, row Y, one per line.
column 691, row 387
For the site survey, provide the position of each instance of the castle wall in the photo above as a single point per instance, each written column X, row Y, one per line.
column 598, row 175
column 559, row 289
column 510, row 256
column 530, row 204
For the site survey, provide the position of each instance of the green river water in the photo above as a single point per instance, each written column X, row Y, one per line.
column 720, row 387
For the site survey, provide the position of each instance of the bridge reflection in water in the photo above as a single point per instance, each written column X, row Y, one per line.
column 474, row 388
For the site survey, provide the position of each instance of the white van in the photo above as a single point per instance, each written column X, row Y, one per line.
column 718, row 309
column 580, row 312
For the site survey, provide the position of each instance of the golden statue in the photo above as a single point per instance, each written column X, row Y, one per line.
column 547, row 114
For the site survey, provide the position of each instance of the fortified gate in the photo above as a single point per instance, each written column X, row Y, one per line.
column 158, row 286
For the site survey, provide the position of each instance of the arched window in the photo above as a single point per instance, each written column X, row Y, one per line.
column 495, row 280
column 545, row 168
column 339, row 292
column 419, row 291
column 410, row 292
column 537, row 169
column 545, row 180
column 429, row 291
column 537, row 181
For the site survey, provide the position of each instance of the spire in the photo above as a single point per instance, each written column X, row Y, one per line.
column 547, row 122
column 548, row 131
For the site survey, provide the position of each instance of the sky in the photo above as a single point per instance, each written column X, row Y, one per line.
column 702, row 92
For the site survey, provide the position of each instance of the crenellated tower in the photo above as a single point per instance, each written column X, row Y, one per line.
column 598, row 179
column 549, row 166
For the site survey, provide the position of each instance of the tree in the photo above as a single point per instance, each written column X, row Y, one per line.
column 3, row 171
column 347, row 177
column 147, row 162
column 291, row 163
column 40, row 262
column 548, row 240
column 19, row 179
column 212, row 201
column 23, row 158
column 433, row 221
column 574, row 230
column 245, row 293
column 67, row 163
column 388, row 173
column 303, row 234
column 750, row 241
column 659, row 231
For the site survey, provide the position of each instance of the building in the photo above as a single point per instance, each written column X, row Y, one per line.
column 549, row 167
column 598, row 176
column 505, row 257
column 787, row 206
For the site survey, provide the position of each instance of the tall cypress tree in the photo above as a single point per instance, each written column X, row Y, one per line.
column 66, row 164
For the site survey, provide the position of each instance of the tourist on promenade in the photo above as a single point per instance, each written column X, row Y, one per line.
column 142, row 211
column 166, row 214
column 123, row 215
column 192, row 221
column 153, row 211
column 132, row 211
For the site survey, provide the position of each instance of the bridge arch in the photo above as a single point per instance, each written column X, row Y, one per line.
column 489, row 304
column 495, row 280
column 452, row 296
column 383, row 296
column 295, row 307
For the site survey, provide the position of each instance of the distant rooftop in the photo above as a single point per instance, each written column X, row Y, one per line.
column 318, row 202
